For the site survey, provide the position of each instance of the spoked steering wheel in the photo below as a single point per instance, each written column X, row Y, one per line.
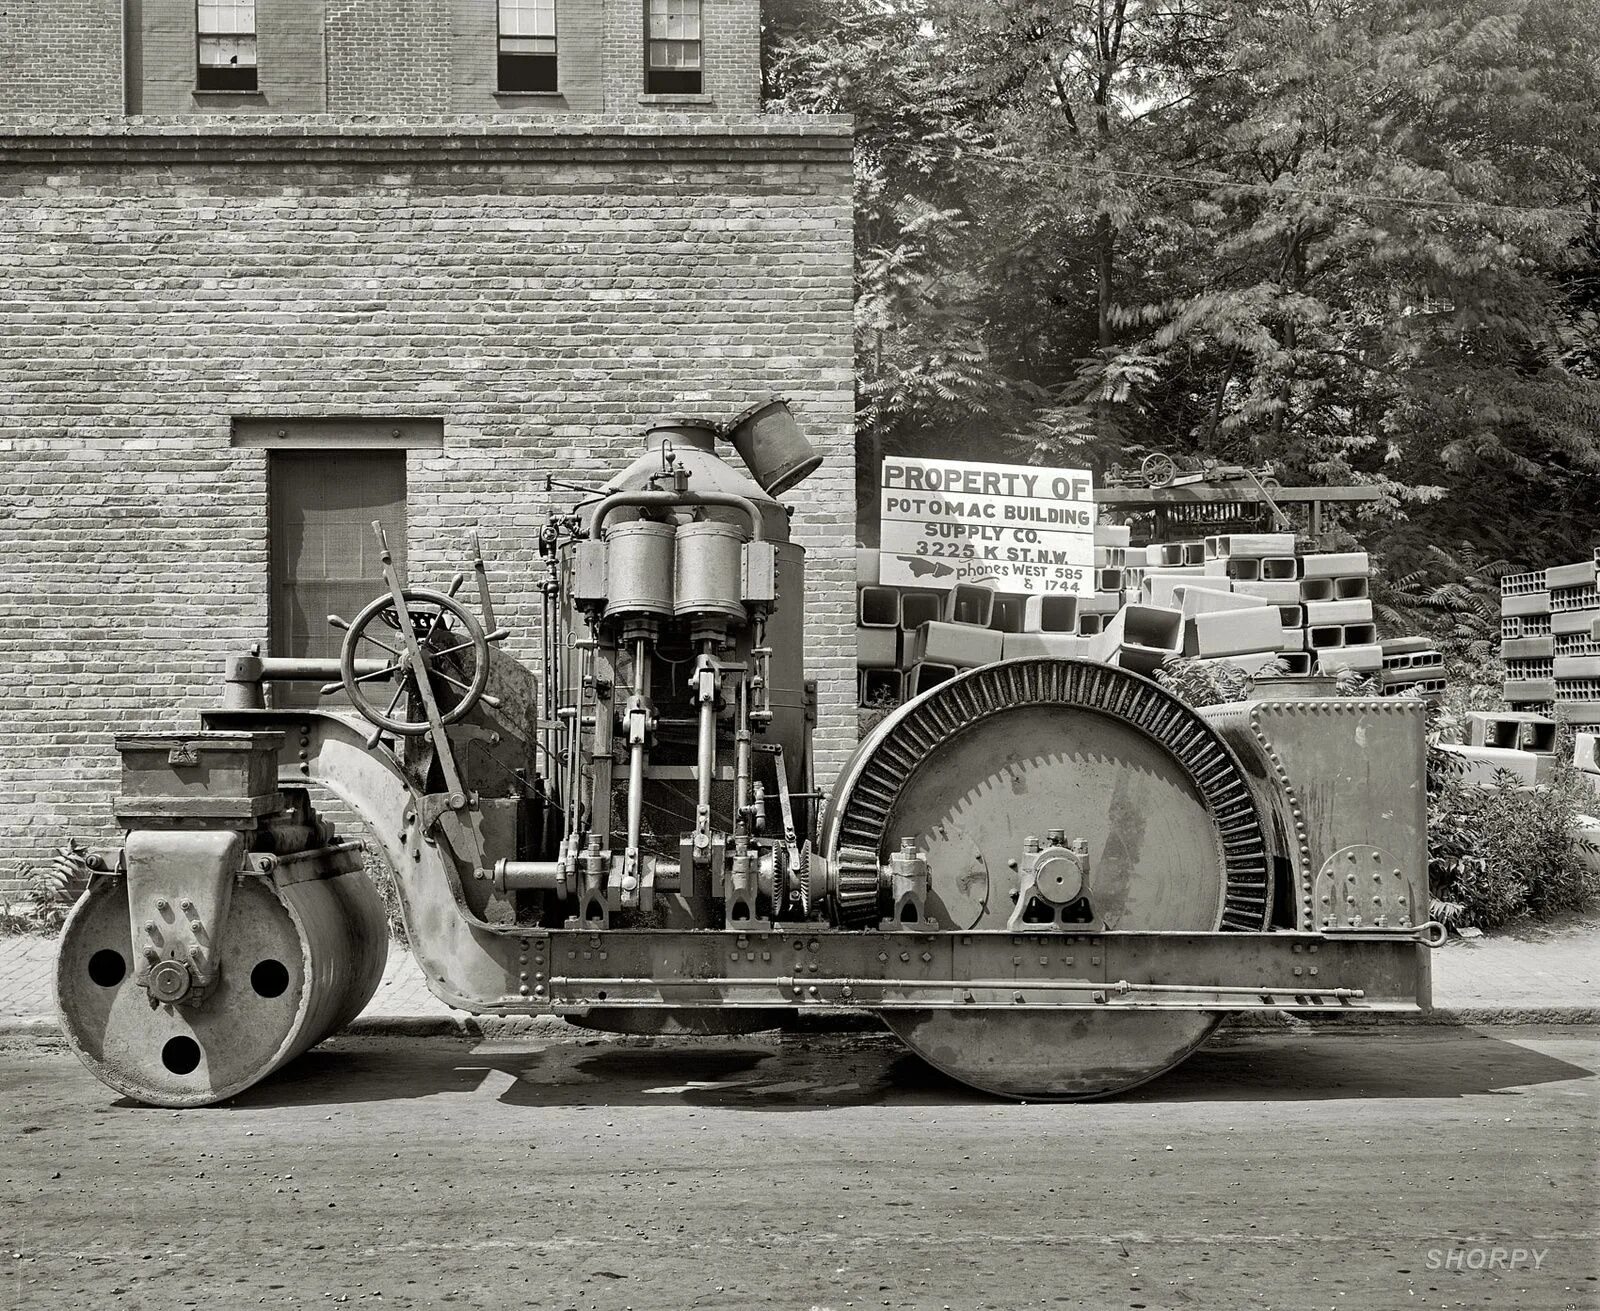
column 446, row 646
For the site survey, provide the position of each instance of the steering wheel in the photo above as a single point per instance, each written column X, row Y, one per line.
column 452, row 654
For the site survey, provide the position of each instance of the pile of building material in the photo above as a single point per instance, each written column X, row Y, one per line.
column 909, row 639
column 1246, row 600
column 1513, row 742
column 1586, row 758
column 1550, row 640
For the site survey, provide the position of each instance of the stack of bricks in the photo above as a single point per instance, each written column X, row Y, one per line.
column 1586, row 759
column 1575, row 630
column 909, row 639
column 1411, row 665
column 1527, row 644
column 1499, row 744
column 1550, row 640
column 1246, row 600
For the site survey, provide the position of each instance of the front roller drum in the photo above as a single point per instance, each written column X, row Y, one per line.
column 297, row 963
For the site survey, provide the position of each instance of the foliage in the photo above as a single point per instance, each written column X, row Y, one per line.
column 53, row 889
column 1504, row 852
column 1203, row 683
column 1356, row 239
column 1454, row 598
column 382, row 876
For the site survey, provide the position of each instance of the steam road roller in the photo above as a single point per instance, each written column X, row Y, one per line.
column 1050, row 877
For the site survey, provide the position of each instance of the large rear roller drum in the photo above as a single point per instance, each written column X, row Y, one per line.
column 973, row 768
column 1052, row 1055
column 297, row 963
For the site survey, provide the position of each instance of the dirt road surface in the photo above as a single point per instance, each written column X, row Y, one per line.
column 1368, row 1170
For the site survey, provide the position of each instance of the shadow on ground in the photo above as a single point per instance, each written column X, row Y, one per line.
column 817, row 1073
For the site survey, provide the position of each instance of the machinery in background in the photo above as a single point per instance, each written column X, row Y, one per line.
column 1049, row 876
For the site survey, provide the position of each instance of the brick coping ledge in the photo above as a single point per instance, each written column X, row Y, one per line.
column 65, row 140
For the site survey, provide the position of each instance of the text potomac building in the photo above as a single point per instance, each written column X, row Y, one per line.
column 271, row 270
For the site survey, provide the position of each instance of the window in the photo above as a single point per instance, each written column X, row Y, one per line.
column 672, row 48
column 323, row 552
column 528, row 45
column 227, row 46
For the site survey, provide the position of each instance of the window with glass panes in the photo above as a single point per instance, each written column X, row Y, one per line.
column 528, row 45
column 672, row 47
column 226, row 46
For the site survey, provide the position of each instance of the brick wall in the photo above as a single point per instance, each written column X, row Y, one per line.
column 291, row 62
column 474, row 29
column 61, row 54
column 388, row 56
column 730, row 51
column 544, row 288
column 357, row 56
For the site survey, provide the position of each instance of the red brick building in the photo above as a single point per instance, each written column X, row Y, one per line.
column 269, row 271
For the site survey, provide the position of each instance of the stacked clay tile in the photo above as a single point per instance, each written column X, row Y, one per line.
column 1246, row 600
column 1550, row 641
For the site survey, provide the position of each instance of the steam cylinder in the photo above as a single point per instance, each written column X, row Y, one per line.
column 639, row 560
column 707, row 573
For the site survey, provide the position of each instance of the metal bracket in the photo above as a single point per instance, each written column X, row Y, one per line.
column 179, row 888
column 1055, row 882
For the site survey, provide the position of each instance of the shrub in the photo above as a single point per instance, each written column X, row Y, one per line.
column 1198, row 684
column 53, row 889
column 1503, row 852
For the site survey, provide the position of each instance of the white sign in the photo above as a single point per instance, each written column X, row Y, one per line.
column 959, row 521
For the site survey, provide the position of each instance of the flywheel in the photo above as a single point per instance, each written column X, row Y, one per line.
column 297, row 963
column 1145, row 788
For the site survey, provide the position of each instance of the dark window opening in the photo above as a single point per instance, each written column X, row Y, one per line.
column 225, row 45
column 672, row 48
column 324, row 555
column 527, row 51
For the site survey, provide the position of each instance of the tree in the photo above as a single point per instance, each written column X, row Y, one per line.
column 1353, row 238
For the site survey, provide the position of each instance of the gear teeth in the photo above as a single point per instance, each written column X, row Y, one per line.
column 803, row 877
column 905, row 745
column 855, row 887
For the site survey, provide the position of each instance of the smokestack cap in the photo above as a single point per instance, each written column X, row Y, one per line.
column 772, row 446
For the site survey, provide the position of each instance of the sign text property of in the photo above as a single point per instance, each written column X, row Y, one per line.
column 958, row 521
